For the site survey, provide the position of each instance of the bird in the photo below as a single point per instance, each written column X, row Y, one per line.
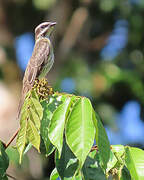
column 41, row 61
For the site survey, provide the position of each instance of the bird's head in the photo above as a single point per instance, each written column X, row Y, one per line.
column 44, row 29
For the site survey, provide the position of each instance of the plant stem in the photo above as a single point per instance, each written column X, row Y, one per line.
column 12, row 138
column 11, row 176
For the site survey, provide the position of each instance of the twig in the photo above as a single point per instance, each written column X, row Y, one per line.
column 11, row 176
column 12, row 138
column 95, row 147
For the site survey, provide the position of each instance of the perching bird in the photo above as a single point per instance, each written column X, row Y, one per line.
column 41, row 60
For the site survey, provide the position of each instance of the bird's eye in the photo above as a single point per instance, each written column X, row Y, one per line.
column 43, row 26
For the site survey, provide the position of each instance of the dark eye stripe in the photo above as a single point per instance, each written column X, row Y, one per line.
column 43, row 26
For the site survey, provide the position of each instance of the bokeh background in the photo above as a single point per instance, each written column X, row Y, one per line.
column 99, row 53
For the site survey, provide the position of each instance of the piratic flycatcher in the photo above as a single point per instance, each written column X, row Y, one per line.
column 41, row 60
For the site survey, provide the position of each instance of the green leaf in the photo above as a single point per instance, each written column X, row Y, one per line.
column 125, row 175
column 112, row 161
column 91, row 168
column 34, row 94
column 80, row 130
column 78, row 177
column 54, row 175
column 46, row 149
column 35, row 111
column 35, row 118
column 134, row 160
column 101, row 140
column 49, row 107
column 67, row 164
column 57, row 124
column 13, row 155
column 31, row 115
column 21, row 139
column 33, row 135
column 47, row 115
column 118, row 150
column 116, row 162
column 4, row 162
column 27, row 148
column 38, row 107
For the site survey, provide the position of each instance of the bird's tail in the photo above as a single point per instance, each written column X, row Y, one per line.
column 23, row 95
column 20, row 107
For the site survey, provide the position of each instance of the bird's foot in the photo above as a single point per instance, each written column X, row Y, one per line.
column 42, row 88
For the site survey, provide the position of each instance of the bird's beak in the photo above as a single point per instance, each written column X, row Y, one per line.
column 50, row 28
column 53, row 24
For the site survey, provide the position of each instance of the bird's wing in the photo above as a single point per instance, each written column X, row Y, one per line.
column 40, row 54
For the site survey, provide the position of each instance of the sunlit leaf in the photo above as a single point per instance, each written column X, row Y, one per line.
column 31, row 115
column 21, row 139
column 35, row 118
column 78, row 176
column 80, row 130
column 38, row 107
column 118, row 150
column 57, row 124
column 27, row 148
column 33, row 135
column 112, row 161
column 49, row 107
column 34, row 94
column 54, row 175
column 135, row 162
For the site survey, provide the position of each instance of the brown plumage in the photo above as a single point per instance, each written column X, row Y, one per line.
column 41, row 60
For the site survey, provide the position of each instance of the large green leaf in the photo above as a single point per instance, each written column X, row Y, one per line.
column 134, row 160
column 92, row 170
column 33, row 135
column 49, row 106
column 35, row 118
column 21, row 139
column 38, row 108
column 4, row 162
column 57, row 124
column 67, row 164
column 80, row 130
column 35, row 111
column 31, row 115
column 101, row 140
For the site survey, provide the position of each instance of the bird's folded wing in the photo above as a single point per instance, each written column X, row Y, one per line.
column 39, row 56
column 40, row 52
